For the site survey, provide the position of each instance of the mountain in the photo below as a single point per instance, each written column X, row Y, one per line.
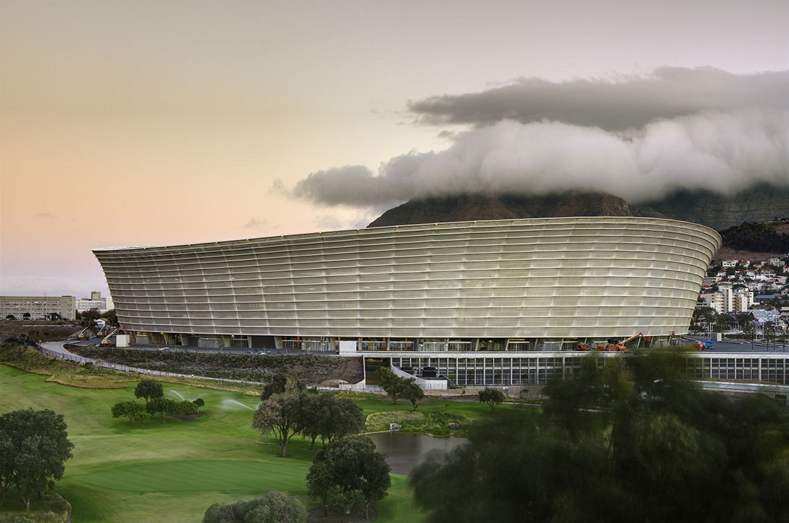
column 484, row 207
column 760, row 203
column 758, row 237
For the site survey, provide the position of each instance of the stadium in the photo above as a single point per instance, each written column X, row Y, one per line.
column 520, row 285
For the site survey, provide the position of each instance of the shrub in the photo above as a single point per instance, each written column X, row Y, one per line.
column 129, row 409
column 491, row 396
column 166, row 407
column 272, row 507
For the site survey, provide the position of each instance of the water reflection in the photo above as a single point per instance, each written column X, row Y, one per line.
column 404, row 450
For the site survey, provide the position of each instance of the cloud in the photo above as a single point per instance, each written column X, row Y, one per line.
column 621, row 103
column 351, row 185
column 256, row 223
column 723, row 151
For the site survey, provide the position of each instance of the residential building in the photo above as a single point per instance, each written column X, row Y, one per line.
column 96, row 301
column 38, row 307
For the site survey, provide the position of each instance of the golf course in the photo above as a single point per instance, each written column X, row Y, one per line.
column 173, row 470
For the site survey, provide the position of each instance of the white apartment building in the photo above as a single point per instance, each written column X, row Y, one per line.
column 729, row 299
column 96, row 301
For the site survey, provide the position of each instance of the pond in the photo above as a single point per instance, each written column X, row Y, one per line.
column 405, row 450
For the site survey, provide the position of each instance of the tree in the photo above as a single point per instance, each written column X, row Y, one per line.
column 346, row 471
column 281, row 384
column 272, row 507
column 392, row 384
column 282, row 415
column 129, row 409
column 277, row 386
column 412, row 392
column 491, row 396
column 149, row 390
column 619, row 440
column 87, row 318
column 34, row 447
column 329, row 418
column 111, row 317
column 158, row 406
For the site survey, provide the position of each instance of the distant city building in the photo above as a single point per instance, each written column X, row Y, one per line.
column 729, row 299
column 715, row 301
column 766, row 316
column 95, row 302
column 729, row 264
column 38, row 307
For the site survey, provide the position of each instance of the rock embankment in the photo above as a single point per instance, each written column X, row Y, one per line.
column 309, row 369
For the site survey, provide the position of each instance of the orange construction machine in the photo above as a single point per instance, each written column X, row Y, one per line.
column 613, row 345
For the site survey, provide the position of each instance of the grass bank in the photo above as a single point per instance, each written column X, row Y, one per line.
column 168, row 471
column 172, row 471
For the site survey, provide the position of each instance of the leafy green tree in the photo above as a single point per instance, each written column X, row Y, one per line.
column 625, row 439
column 34, row 447
column 87, row 318
column 110, row 317
column 491, row 396
column 277, row 386
column 413, row 393
column 392, row 384
column 272, row 507
column 328, row 418
column 158, row 406
column 129, row 409
column 281, row 384
column 149, row 390
column 283, row 416
column 349, row 469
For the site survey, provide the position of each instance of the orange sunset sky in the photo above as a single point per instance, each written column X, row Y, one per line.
column 156, row 122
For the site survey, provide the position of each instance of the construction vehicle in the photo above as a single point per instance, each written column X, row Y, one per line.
column 698, row 345
column 613, row 345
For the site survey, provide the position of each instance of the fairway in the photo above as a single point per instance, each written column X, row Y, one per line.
column 169, row 471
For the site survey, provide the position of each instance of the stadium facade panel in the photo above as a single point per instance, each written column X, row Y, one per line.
column 522, row 279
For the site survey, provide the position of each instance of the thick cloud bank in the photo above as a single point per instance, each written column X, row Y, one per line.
column 721, row 151
column 610, row 104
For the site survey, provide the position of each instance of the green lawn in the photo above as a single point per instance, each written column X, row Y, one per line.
column 173, row 471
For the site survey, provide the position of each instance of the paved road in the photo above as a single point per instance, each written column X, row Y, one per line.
column 57, row 347
column 745, row 346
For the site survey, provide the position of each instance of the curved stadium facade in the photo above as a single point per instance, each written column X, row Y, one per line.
column 460, row 287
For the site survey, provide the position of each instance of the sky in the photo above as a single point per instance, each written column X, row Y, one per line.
column 126, row 123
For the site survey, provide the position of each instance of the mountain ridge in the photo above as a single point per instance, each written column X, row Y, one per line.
column 760, row 203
